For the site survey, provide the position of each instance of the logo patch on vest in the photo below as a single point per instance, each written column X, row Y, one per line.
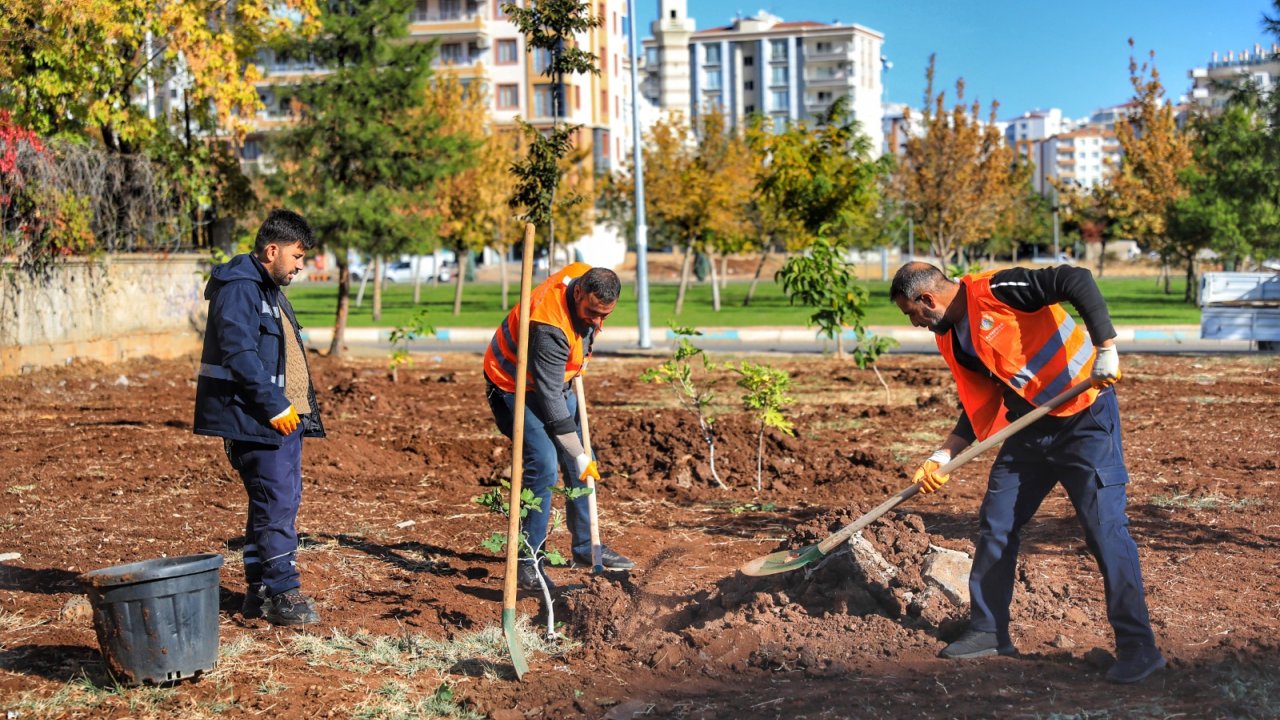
column 989, row 328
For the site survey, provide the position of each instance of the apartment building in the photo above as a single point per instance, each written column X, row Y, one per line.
column 484, row 49
column 786, row 71
column 1024, row 132
column 1211, row 85
column 1085, row 157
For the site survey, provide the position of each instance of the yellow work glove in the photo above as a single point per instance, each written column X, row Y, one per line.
column 1106, row 367
column 927, row 476
column 587, row 468
column 286, row 422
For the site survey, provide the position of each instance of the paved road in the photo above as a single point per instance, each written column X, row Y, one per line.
column 1173, row 339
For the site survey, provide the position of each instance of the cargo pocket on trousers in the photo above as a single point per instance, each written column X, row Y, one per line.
column 1112, row 494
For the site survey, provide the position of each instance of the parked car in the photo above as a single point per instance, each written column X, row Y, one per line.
column 401, row 271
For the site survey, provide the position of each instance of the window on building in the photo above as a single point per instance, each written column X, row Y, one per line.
column 711, row 54
column 420, row 11
column 543, row 98
column 508, row 97
column 824, row 97
column 713, row 80
column 778, row 100
column 822, row 47
column 749, row 61
column 749, row 109
column 450, row 9
column 778, row 49
column 778, row 76
column 508, row 52
column 651, row 57
column 749, row 85
column 779, row 123
column 451, row 53
column 541, row 60
column 251, row 150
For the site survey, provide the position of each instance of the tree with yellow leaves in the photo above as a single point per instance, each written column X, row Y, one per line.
column 1156, row 154
column 957, row 180
column 471, row 205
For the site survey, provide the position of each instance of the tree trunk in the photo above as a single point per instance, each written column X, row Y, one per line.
column 755, row 279
column 506, row 283
column 1190, row 294
column 840, row 343
column 344, row 304
column 715, row 287
column 377, row 288
column 1102, row 257
column 724, row 270
column 1164, row 272
column 685, row 268
column 417, row 279
column 364, row 282
column 457, row 288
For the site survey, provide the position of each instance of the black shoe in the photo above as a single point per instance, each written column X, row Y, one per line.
column 1133, row 665
column 254, row 599
column 608, row 558
column 527, row 577
column 292, row 608
column 975, row 644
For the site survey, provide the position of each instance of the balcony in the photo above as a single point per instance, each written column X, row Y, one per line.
column 835, row 52
column 457, row 23
column 828, row 78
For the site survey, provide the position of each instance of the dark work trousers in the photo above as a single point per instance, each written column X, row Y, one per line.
column 273, row 480
column 542, row 462
column 1085, row 454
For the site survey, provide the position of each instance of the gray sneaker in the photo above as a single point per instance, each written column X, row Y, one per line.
column 292, row 608
column 975, row 644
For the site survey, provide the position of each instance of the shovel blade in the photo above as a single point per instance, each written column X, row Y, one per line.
column 782, row 561
column 514, row 648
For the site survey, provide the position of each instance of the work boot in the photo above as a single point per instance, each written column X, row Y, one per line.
column 527, row 577
column 975, row 644
column 291, row 607
column 254, row 599
column 608, row 558
column 1133, row 665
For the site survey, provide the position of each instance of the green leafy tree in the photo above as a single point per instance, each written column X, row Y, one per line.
column 694, row 390
column 765, row 397
column 367, row 151
column 550, row 25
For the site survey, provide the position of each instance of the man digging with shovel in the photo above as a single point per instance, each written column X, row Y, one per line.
column 566, row 312
column 1011, row 347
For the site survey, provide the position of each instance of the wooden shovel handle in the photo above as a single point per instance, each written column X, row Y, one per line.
column 846, row 532
column 517, row 434
column 592, row 512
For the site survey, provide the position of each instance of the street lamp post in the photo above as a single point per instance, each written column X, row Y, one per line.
column 642, row 231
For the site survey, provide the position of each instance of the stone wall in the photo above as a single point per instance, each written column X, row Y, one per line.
column 107, row 309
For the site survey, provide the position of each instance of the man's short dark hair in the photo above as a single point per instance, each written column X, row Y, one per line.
column 914, row 279
column 601, row 282
column 284, row 227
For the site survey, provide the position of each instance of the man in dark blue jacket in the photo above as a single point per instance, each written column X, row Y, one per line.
column 254, row 391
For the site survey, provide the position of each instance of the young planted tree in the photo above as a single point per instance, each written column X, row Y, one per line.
column 957, row 180
column 693, row 390
column 552, row 26
column 367, row 152
column 823, row 281
column 765, row 396
column 400, row 338
column 1156, row 154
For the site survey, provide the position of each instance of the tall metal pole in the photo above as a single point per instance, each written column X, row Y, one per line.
column 642, row 231
column 1055, row 225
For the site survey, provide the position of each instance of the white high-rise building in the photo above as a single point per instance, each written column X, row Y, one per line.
column 1211, row 85
column 785, row 71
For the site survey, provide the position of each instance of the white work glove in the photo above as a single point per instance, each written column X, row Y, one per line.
column 927, row 474
column 587, row 468
column 1106, row 367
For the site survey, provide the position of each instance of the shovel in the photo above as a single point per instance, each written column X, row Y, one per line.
column 786, row 560
column 517, row 462
column 597, row 564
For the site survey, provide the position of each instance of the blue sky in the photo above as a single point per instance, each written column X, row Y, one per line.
column 1026, row 54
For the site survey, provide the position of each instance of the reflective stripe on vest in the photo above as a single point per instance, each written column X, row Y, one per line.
column 1039, row 354
column 548, row 304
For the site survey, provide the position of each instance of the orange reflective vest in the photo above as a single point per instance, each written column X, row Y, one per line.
column 549, row 305
column 1038, row 354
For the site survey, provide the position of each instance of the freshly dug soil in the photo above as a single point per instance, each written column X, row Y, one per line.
column 100, row 468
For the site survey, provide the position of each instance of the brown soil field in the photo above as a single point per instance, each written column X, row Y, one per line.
column 100, row 467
